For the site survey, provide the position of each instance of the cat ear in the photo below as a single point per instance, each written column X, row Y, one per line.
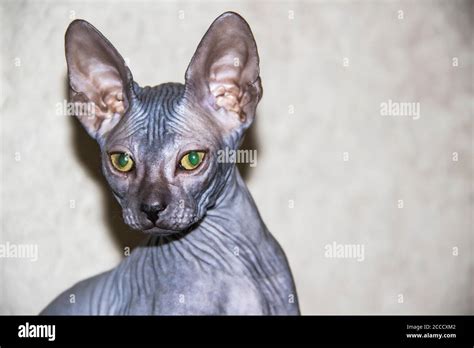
column 98, row 77
column 223, row 75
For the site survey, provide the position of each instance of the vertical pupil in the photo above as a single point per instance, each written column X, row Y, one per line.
column 123, row 160
column 193, row 158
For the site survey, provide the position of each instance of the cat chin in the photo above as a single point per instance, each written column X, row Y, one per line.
column 162, row 231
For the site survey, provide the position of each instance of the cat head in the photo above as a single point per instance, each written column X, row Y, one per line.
column 159, row 144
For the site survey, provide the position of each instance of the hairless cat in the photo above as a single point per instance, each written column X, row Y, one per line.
column 208, row 250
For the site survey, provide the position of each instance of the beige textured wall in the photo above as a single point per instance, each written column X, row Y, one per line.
column 48, row 160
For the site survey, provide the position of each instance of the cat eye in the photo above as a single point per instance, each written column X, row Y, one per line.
column 122, row 161
column 191, row 160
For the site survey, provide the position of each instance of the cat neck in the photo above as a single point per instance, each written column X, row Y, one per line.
column 235, row 210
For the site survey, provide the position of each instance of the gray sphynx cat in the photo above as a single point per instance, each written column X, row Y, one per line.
column 208, row 250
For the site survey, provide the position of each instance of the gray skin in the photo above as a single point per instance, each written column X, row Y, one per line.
column 208, row 250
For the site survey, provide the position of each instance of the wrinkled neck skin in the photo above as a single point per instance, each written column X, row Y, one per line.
column 231, row 238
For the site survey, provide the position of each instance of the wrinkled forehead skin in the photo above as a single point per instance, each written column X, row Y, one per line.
column 161, row 121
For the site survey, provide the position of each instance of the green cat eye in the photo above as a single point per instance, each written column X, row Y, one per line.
column 191, row 160
column 121, row 161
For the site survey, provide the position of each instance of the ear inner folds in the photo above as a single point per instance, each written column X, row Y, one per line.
column 229, row 99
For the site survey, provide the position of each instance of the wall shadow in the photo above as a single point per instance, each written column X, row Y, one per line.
column 250, row 143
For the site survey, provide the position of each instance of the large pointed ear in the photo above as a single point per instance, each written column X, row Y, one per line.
column 223, row 75
column 98, row 78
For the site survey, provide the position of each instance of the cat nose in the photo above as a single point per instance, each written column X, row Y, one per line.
column 152, row 210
